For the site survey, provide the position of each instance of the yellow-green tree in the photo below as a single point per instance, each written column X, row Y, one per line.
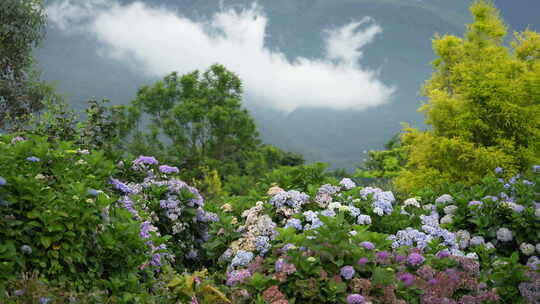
column 483, row 106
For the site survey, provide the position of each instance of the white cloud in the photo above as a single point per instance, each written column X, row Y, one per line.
column 160, row 41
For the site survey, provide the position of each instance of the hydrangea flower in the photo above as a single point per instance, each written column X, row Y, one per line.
column 242, row 258
column 262, row 244
column 168, row 169
column 533, row 262
column 365, row 192
column 447, row 219
column 443, row 199
column 347, row 183
column 538, row 248
column 291, row 198
column 363, row 261
column 147, row 160
column 382, row 256
column 347, row 272
column 237, row 276
column 363, row 219
column 527, row 249
column 415, row 259
column 354, row 211
column 293, row 222
column 44, row 300
column 355, row 298
column 407, row 279
column 26, row 249
column 499, row 170
column 537, row 212
column 118, row 185
column 450, row 209
column 367, row 245
column 504, row 235
column 443, row 254
column 475, row 203
column 328, row 212
column 463, row 237
column 33, row 159
column 3, row 181
column 536, row 168
column 477, row 241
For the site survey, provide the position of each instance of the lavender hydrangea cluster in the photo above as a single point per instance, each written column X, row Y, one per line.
column 347, row 184
column 292, row 199
column 177, row 211
column 347, row 272
column 382, row 200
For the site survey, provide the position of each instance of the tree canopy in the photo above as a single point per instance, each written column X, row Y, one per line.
column 483, row 104
column 22, row 26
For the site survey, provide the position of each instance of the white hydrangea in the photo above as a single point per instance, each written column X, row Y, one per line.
column 538, row 247
column 428, row 207
column 477, row 241
column 445, row 198
column 537, row 212
column 447, row 219
column 463, row 237
column 334, row 205
column 364, row 219
column 472, row 255
column 504, row 235
column 489, row 246
column 527, row 249
column 378, row 211
column 344, row 208
column 451, row 209
column 412, row 202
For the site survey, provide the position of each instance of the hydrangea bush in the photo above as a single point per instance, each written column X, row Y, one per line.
column 60, row 222
column 165, row 206
column 350, row 244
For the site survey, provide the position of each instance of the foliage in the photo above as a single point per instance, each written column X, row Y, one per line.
column 196, row 288
column 482, row 106
column 386, row 163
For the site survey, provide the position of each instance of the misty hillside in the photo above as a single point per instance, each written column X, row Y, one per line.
column 400, row 55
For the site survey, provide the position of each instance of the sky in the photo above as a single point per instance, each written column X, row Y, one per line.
column 156, row 41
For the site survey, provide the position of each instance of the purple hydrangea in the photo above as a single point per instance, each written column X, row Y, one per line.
column 145, row 230
column 237, row 276
column 367, row 245
column 19, row 292
column 355, row 298
column 168, row 169
column 147, row 160
column 32, row 159
column 499, row 170
column 44, row 300
column 443, row 254
column 118, row 185
column 382, row 256
column 415, row 259
column 363, row 261
column 347, row 272
column 407, row 279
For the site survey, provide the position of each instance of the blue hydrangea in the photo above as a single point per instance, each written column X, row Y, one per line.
column 365, row 192
column 262, row 244
column 443, row 199
column 291, row 198
column 33, row 159
column 328, row 212
column 242, row 258
column 364, row 219
column 354, row 211
column 3, row 181
column 26, row 249
column 347, row 272
column 293, row 222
